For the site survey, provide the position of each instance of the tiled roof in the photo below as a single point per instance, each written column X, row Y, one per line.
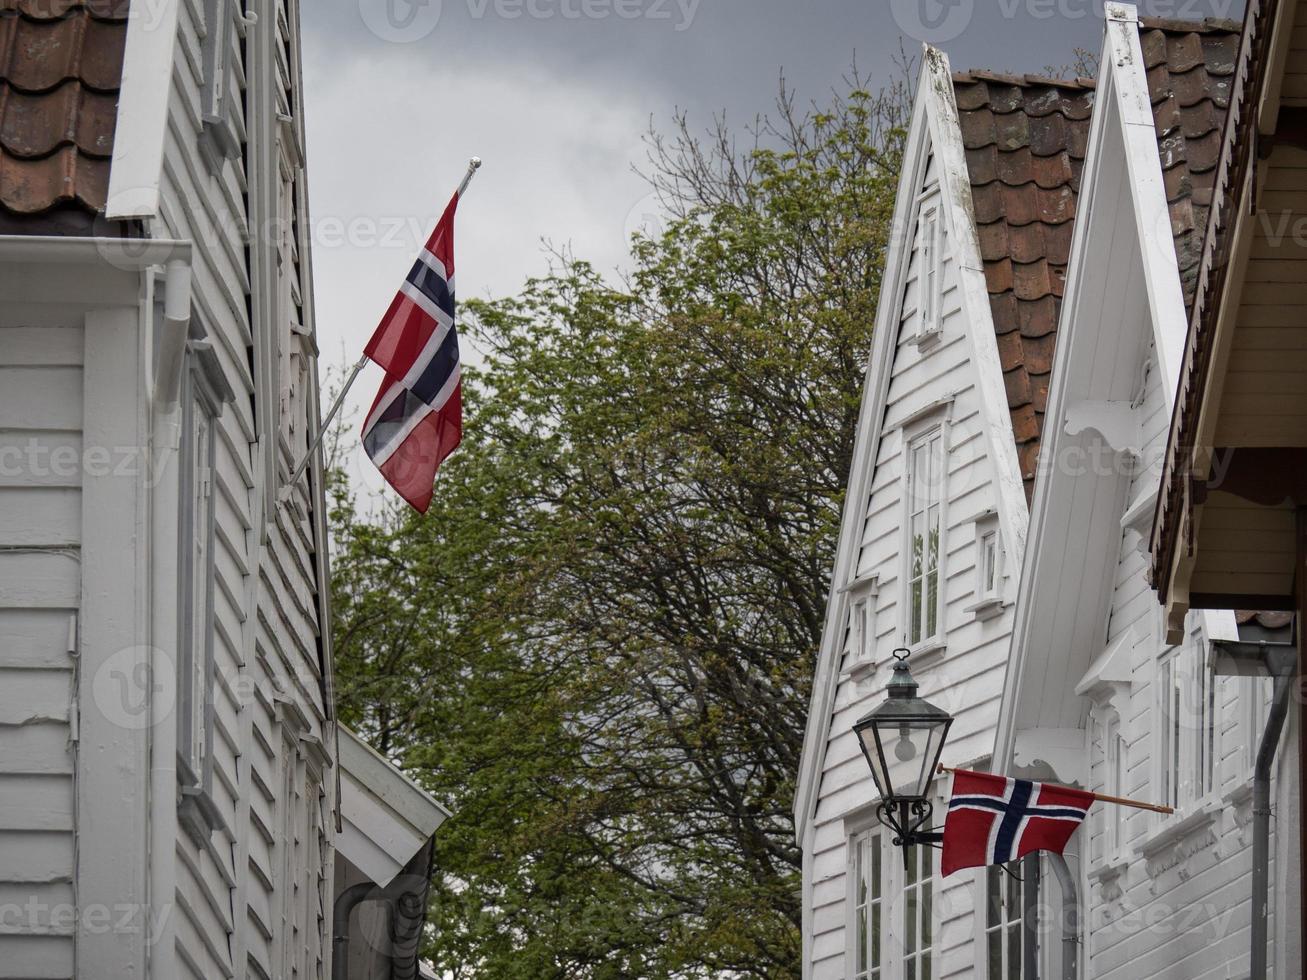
column 1025, row 138
column 1190, row 70
column 1025, row 143
column 60, row 68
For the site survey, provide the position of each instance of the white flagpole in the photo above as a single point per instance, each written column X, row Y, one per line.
column 472, row 166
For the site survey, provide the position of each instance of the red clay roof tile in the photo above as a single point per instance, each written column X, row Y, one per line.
column 60, row 71
column 1025, row 141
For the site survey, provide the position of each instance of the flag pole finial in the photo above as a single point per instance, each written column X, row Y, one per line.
column 473, row 166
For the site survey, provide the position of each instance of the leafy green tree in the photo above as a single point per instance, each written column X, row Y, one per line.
column 597, row 646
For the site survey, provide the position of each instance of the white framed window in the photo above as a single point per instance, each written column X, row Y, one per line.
column 1255, row 700
column 1004, row 921
column 204, row 392
column 301, row 848
column 990, row 564
column 862, row 595
column 918, row 915
column 930, row 276
column 869, row 907
column 892, row 915
column 1186, row 701
column 922, row 571
column 218, row 137
column 989, row 570
column 1115, row 761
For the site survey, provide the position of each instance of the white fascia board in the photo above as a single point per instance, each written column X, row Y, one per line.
column 137, row 165
column 128, row 254
column 390, row 786
column 955, row 189
column 1123, row 58
column 1031, row 600
column 866, row 448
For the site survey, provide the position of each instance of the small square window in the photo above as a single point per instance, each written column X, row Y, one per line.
column 989, row 581
column 989, row 564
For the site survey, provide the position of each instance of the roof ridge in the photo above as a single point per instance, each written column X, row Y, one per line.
column 48, row 10
column 1024, row 80
column 1177, row 25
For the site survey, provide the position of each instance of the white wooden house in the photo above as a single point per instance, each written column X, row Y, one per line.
column 936, row 514
column 1096, row 693
column 168, row 760
column 991, row 194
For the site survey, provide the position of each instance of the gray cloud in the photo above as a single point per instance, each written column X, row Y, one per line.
column 555, row 95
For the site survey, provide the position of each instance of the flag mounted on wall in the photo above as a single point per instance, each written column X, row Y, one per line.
column 416, row 420
column 993, row 819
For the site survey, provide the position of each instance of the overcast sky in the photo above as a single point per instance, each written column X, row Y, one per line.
column 555, row 96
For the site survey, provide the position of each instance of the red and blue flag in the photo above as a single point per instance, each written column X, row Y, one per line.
column 994, row 819
column 416, row 420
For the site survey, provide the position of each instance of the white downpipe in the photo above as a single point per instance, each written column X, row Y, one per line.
column 169, row 346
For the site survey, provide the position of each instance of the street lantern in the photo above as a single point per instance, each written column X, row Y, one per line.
column 902, row 740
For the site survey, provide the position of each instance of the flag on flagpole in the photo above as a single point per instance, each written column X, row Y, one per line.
column 993, row 819
column 416, row 420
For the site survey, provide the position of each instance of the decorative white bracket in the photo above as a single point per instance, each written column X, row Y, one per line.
column 1061, row 750
column 1117, row 422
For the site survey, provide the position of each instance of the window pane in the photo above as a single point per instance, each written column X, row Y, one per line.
column 926, row 897
column 862, row 962
column 910, row 921
column 1014, row 949
column 875, row 935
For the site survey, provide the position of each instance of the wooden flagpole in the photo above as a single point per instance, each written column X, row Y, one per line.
column 1100, row 797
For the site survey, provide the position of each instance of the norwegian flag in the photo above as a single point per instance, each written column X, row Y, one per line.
column 993, row 819
column 417, row 418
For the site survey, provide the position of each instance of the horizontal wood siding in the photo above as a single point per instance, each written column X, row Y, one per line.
column 40, row 584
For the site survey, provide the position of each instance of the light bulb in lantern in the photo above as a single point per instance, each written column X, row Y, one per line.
column 904, row 750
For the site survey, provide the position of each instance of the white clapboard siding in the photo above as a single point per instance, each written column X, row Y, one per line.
column 40, row 574
column 1195, row 893
column 269, row 651
column 967, row 678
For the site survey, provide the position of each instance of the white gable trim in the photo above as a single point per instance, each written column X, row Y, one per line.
column 955, row 183
column 1122, row 101
column 1128, row 86
column 136, row 169
column 933, row 129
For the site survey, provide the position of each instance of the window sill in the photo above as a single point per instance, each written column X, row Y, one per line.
column 927, row 652
column 987, row 609
column 1110, row 869
column 859, row 670
column 198, row 815
column 1181, row 836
